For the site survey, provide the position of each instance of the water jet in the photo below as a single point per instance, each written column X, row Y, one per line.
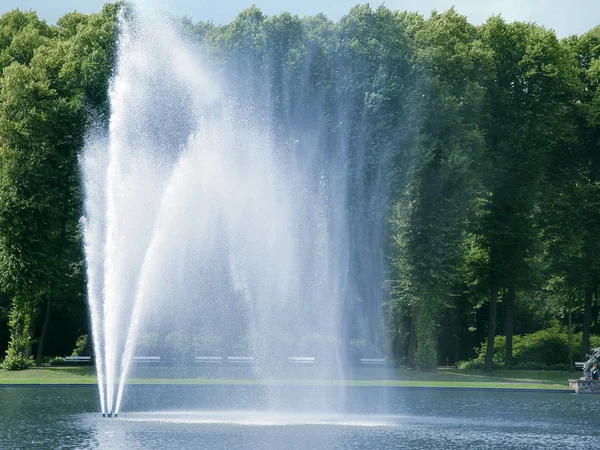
column 208, row 230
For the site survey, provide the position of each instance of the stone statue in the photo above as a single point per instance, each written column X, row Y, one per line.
column 593, row 358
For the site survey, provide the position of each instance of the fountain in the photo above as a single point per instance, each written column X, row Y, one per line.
column 208, row 230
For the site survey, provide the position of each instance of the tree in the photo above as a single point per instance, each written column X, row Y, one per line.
column 44, row 106
column 532, row 79
column 21, row 33
column 437, row 202
column 573, row 225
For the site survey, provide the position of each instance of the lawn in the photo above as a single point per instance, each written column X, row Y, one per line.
column 49, row 375
column 443, row 377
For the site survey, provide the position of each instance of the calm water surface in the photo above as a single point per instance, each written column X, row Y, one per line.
column 300, row 417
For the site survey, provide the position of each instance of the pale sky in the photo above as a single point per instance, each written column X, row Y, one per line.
column 566, row 17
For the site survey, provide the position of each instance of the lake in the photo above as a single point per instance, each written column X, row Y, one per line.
column 297, row 417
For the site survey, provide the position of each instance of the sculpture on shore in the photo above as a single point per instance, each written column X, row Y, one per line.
column 593, row 358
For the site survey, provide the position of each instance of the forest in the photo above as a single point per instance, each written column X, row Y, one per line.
column 478, row 148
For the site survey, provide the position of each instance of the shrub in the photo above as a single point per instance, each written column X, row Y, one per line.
column 147, row 344
column 178, row 347
column 543, row 350
column 472, row 364
column 58, row 361
column 16, row 362
column 80, row 345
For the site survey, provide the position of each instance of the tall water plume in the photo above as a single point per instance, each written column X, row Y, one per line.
column 217, row 218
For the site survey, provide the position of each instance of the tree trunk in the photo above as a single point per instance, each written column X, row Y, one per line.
column 570, row 332
column 587, row 321
column 489, row 352
column 455, row 335
column 412, row 341
column 44, row 333
column 509, row 324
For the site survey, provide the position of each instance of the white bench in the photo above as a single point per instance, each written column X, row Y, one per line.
column 240, row 359
column 147, row 359
column 301, row 359
column 372, row 361
column 78, row 359
column 208, row 359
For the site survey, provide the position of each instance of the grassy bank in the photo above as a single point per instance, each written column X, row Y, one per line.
column 444, row 377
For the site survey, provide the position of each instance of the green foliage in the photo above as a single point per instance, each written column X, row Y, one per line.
column 52, row 78
column 178, row 347
column 18, row 354
column 543, row 350
column 20, row 320
column 21, row 33
column 426, row 351
column 147, row 344
column 13, row 361
column 80, row 345
column 477, row 148
column 58, row 361
column 431, row 215
column 208, row 345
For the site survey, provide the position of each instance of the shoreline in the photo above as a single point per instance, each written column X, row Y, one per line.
column 396, row 386
column 443, row 378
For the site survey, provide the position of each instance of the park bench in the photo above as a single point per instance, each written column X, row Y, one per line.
column 301, row 359
column 372, row 361
column 147, row 359
column 78, row 359
column 579, row 364
column 208, row 359
column 240, row 359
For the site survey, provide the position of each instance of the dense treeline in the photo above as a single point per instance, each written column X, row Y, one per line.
column 54, row 81
column 473, row 152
